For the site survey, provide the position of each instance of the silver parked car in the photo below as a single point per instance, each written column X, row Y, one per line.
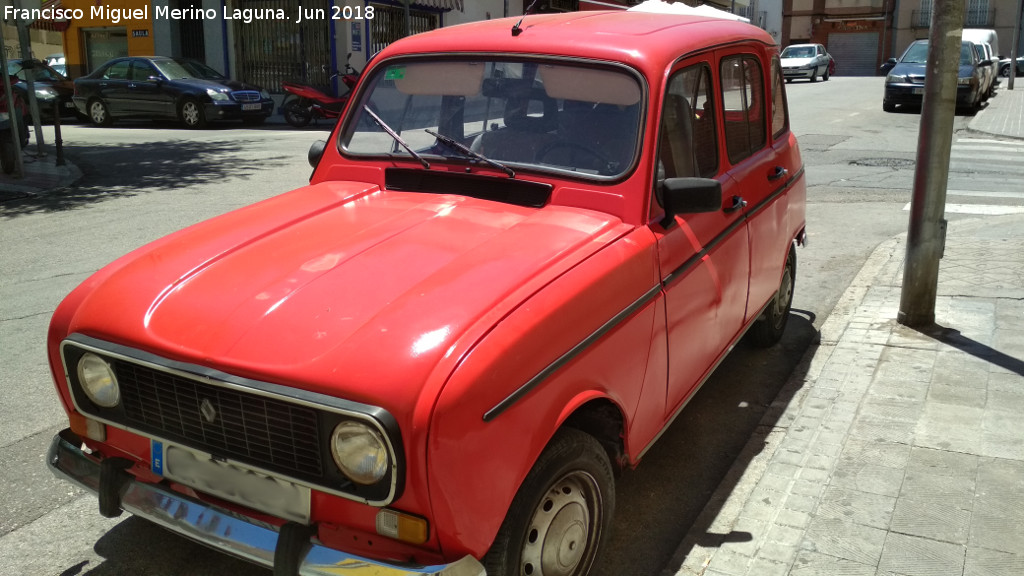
column 805, row 61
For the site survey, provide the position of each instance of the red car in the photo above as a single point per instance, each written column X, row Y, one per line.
column 524, row 248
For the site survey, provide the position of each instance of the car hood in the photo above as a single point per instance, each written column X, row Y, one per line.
column 797, row 61
column 920, row 69
column 204, row 84
column 338, row 288
column 62, row 87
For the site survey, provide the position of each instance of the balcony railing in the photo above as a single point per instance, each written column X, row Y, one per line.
column 975, row 18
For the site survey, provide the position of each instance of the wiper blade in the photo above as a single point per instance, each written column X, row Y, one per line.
column 453, row 143
column 384, row 126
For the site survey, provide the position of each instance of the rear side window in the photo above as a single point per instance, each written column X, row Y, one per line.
column 780, row 111
column 117, row 71
column 743, row 106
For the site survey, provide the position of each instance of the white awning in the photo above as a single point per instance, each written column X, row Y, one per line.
column 660, row 7
column 440, row 4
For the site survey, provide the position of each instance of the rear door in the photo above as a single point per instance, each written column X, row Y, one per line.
column 112, row 88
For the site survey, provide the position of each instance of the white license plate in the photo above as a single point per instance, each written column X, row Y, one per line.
column 69, row 104
column 232, row 482
column 247, row 107
column 918, row 91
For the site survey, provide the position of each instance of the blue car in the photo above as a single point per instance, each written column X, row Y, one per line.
column 157, row 87
column 905, row 81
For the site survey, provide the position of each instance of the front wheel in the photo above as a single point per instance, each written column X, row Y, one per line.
column 767, row 330
column 192, row 114
column 561, row 514
column 99, row 114
column 297, row 111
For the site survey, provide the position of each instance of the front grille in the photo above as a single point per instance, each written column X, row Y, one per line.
column 271, row 433
column 245, row 96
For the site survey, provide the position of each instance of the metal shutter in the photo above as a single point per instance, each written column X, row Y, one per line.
column 856, row 54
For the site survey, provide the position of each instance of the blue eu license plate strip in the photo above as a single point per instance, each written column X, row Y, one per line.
column 156, row 459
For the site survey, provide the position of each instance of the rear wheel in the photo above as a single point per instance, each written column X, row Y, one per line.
column 561, row 513
column 825, row 76
column 296, row 111
column 768, row 329
column 99, row 114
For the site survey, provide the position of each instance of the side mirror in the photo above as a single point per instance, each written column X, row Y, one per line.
column 155, row 78
column 689, row 196
column 316, row 151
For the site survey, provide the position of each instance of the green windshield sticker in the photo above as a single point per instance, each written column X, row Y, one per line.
column 395, row 73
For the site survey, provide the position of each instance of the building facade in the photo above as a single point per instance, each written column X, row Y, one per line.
column 913, row 20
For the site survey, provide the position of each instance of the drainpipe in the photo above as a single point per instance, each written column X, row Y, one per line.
column 1013, row 46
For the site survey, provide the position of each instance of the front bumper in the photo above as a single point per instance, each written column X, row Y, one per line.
column 230, row 110
column 791, row 73
column 224, row 530
column 899, row 93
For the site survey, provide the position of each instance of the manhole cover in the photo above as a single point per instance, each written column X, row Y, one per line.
column 885, row 162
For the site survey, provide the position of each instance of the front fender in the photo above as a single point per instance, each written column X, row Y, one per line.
column 586, row 335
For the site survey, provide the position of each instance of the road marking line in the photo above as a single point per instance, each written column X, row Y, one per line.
column 984, row 209
column 983, row 194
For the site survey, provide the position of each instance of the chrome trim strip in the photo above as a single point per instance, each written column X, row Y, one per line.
column 213, row 377
column 572, row 353
column 227, row 531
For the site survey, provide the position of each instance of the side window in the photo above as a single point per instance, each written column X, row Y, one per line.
column 780, row 110
column 687, row 142
column 141, row 71
column 117, row 71
column 743, row 106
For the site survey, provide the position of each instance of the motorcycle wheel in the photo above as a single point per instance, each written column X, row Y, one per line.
column 297, row 111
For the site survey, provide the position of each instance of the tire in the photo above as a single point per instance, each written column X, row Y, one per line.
column 8, row 161
column 1005, row 71
column 296, row 111
column 99, row 114
column 767, row 330
column 192, row 114
column 826, row 75
column 561, row 514
column 888, row 106
column 788, row 80
column 814, row 76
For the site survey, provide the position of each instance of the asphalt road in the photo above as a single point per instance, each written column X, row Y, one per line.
column 143, row 181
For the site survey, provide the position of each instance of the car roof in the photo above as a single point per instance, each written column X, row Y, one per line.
column 644, row 40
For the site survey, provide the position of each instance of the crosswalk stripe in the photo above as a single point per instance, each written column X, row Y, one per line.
column 980, row 209
column 985, row 194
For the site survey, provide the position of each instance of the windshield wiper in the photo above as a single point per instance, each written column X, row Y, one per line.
column 452, row 143
column 395, row 135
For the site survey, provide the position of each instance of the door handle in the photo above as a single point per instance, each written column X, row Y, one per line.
column 737, row 203
column 779, row 172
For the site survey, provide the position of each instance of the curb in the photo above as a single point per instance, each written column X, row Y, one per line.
column 716, row 521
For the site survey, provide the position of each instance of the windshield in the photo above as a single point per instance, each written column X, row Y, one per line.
column 798, row 52
column 177, row 69
column 916, row 54
column 547, row 116
column 40, row 72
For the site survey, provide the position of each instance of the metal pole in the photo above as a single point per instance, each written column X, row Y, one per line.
column 57, row 141
column 1013, row 47
column 926, row 233
column 13, row 112
column 26, row 55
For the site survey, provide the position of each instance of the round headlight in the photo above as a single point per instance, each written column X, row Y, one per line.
column 360, row 452
column 98, row 380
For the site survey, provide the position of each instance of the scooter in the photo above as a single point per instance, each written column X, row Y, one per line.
column 305, row 103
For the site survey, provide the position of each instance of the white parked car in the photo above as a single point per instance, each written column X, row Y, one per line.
column 805, row 61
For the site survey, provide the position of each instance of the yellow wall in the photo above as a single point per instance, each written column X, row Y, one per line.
column 74, row 40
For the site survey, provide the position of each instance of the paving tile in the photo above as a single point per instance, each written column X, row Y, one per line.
column 898, row 389
column 814, row 564
column 997, row 525
column 1001, row 479
column 934, row 518
column 847, row 540
column 1003, row 400
column 892, row 409
column 868, row 478
column 856, row 506
column 883, row 431
column 956, row 394
column 903, row 554
column 983, row 562
column 784, row 553
column 729, row 563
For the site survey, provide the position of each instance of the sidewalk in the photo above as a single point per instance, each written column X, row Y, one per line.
column 41, row 176
column 891, row 451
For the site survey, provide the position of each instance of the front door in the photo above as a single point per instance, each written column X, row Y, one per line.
column 704, row 257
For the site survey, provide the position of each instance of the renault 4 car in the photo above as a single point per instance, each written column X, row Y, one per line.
column 523, row 249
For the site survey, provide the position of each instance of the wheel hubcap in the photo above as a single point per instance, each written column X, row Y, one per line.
column 98, row 114
column 785, row 295
column 190, row 113
column 564, row 529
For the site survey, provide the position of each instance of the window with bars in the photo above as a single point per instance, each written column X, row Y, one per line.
column 270, row 51
column 389, row 24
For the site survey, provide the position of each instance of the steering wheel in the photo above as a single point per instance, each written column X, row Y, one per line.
column 606, row 165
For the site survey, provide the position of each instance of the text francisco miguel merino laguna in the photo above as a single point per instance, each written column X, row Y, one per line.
column 116, row 15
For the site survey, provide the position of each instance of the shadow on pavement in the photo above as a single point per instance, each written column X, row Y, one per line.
column 953, row 337
column 120, row 170
column 658, row 504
